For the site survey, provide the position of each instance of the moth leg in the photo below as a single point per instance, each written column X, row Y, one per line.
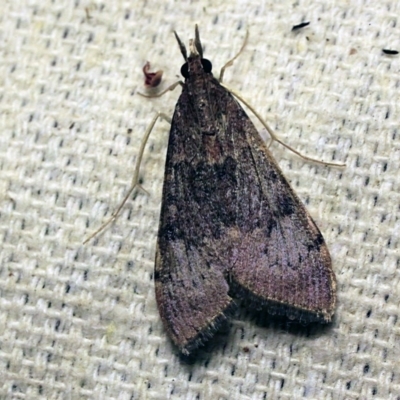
column 273, row 135
column 230, row 62
column 135, row 179
column 170, row 88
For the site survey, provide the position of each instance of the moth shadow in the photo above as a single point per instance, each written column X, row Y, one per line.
column 216, row 344
column 261, row 317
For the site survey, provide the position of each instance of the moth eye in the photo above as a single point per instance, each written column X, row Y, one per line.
column 207, row 66
column 185, row 70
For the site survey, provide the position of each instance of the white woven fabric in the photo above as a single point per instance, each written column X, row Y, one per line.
column 81, row 322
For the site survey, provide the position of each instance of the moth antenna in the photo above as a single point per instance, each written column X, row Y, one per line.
column 181, row 46
column 197, row 42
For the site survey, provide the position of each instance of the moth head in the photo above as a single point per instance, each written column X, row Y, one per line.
column 196, row 53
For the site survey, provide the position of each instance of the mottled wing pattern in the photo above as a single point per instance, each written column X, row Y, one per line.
column 282, row 261
column 231, row 222
column 191, row 289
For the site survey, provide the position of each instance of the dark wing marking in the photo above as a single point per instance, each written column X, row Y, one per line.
column 229, row 216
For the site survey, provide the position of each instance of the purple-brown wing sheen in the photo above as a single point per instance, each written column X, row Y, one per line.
column 230, row 222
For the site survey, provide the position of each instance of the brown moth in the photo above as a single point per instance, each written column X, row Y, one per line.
column 230, row 224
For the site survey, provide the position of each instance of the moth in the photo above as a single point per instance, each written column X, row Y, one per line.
column 230, row 226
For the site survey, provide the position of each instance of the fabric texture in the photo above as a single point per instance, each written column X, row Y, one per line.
column 80, row 321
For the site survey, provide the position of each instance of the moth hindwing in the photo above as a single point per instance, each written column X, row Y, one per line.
column 230, row 225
